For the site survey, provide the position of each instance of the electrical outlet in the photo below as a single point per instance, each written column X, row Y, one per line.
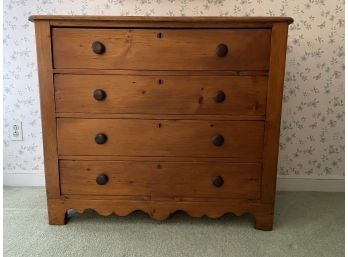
column 16, row 131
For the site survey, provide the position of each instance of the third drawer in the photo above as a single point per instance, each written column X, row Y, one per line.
column 135, row 137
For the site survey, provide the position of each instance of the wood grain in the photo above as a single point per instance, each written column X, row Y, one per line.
column 165, row 179
column 160, row 138
column 47, row 104
column 161, row 94
column 142, row 49
column 273, row 112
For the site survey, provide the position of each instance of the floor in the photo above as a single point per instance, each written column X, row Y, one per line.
column 306, row 224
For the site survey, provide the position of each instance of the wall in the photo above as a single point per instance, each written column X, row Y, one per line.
column 312, row 131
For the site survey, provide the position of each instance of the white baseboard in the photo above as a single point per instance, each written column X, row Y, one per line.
column 310, row 184
column 37, row 178
column 24, row 178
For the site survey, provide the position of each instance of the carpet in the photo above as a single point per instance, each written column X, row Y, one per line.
column 308, row 224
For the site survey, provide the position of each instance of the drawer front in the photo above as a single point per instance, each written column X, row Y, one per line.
column 133, row 137
column 164, row 49
column 161, row 94
column 165, row 179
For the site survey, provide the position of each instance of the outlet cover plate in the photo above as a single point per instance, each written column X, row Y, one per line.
column 16, row 132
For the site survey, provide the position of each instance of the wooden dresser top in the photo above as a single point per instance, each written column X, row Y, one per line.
column 151, row 21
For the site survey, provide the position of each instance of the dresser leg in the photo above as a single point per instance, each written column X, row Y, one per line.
column 57, row 215
column 264, row 222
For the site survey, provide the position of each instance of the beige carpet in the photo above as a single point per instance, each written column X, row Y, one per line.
column 306, row 224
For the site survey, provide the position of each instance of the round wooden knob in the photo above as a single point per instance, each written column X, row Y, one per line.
column 99, row 94
column 218, row 181
column 100, row 138
column 98, row 47
column 221, row 50
column 218, row 140
column 102, row 179
column 219, row 96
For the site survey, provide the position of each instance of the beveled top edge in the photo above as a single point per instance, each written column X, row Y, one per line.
column 150, row 19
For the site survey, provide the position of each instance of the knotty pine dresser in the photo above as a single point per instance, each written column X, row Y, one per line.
column 161, row 114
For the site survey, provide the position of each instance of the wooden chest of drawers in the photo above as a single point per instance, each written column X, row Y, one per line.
column 161, row 114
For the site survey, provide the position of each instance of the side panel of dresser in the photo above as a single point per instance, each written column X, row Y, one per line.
column 273, row 116
column 44, row 55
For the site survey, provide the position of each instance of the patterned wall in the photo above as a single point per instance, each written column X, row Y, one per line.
column 312, row 131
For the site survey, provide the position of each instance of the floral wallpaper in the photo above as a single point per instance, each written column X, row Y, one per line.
column 312, row 130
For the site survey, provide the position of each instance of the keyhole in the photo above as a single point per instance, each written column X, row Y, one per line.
column 160, row 81
column 159, row 125
column 159, row 35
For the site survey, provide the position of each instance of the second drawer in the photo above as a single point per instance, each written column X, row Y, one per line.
column 133, row 137
column 233, row 95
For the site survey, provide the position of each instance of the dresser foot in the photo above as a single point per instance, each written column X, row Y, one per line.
column 57, row 215
column 264, row 222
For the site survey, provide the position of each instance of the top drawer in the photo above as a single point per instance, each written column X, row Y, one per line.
column 162, row 49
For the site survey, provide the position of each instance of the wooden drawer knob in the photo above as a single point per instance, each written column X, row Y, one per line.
column 218, row 181
column 219, row 96
column 99, row 94
column 98, row 47
column 221, row 50
column 102, row 179
column 100, row 138
column 218, row 140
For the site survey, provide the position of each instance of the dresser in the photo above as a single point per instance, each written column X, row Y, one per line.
column 161, row 114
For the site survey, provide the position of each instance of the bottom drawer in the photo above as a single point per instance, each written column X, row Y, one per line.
column 165, row 179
